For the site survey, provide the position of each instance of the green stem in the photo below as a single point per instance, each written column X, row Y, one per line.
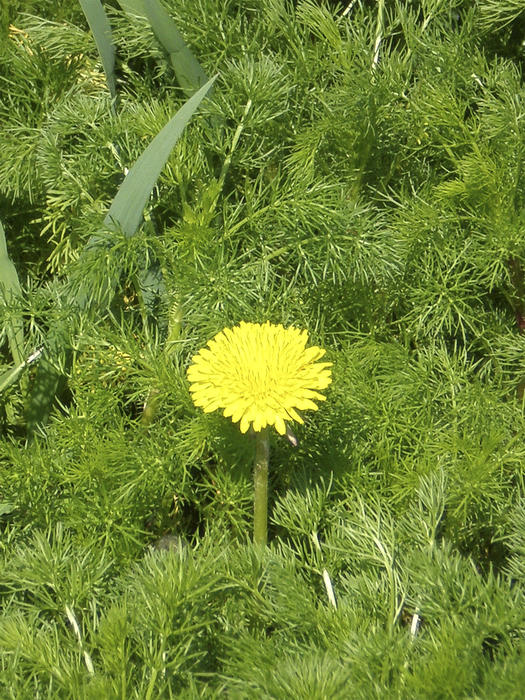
column 174, row 325
column 149, row 410
column 379, row 32
column 260, row 479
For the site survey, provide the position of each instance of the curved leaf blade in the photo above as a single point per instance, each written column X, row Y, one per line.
column 128, row 205
column 125, row 212
column 101, row 29
column 188, row 70
column 10, row 375
column 10, row 290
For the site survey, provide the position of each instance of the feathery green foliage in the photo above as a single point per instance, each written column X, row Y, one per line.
column 357, row 172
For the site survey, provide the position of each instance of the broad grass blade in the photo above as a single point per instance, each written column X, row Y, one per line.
column 42, row 397
column 151, row 287
column 188, row 70
column 125, row 213
column 11, row 291
column 11, row 375
column 134, row 7
column 126, row 209
column 99, row 24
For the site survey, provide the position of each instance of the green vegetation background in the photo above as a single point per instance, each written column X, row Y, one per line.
column 358, row 172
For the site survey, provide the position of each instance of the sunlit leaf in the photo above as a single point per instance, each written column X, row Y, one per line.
column 99, row 24
column 10, row 290
column 188, row 70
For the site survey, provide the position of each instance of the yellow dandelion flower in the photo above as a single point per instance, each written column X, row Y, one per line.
column 259, row 374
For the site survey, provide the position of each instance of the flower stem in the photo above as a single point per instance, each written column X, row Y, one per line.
column 260, row 479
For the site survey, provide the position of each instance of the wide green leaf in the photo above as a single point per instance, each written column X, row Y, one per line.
column 126, row 209
column 99, row 24
column 188, row 70
column 125, row 213
column 134, row 7
column 10, row 376
column 49, row 379
column 11, row 291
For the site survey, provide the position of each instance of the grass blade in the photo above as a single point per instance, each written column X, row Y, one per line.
column 11, row 375
column 49, row 379
column 101, row 29
column 45, row 389
column 126, row 210
column 125, row 213
column 128, row 205
column 133, row 7
column 10, row 290
column 188, row 70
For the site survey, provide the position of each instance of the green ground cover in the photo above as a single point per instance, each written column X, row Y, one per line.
column 356, row 171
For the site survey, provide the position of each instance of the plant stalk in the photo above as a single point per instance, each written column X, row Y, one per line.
column 379, row 32
column 260, row 480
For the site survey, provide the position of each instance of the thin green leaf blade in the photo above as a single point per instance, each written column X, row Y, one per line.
column 9, row 377
column 101, row 29
column 10, row 290
column 188, row 70
column 125, row 212
column 49, row 378
column 128, row 205
column 134, row 7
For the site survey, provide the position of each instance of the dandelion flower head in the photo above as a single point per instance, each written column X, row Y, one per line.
column 259, row 374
